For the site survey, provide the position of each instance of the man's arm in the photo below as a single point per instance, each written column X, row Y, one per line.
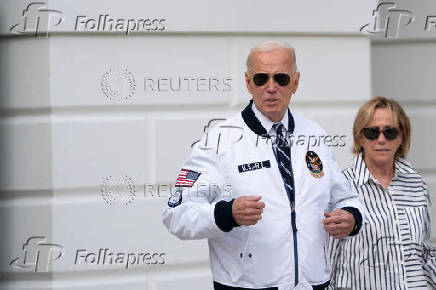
column 190, row 212
column 346, row 216
column 243, row 211
column 343, row 222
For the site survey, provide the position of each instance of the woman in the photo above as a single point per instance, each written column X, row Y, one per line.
column 392, row 250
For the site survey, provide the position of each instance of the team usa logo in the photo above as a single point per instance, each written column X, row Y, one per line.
column 186, row 178
column 314, row 164
column 175, row 198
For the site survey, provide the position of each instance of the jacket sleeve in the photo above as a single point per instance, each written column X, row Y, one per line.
column 343, row 195
column 191, row 209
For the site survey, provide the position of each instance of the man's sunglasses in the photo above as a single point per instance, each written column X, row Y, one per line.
column 282, row 79
column 374, row 132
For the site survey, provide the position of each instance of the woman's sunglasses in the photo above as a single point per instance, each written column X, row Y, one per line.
column 374, row 132
column 282, row 79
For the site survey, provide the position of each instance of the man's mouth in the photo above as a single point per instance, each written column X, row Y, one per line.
column 271, row 100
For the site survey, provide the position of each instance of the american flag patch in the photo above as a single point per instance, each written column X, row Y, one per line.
column 187, row 178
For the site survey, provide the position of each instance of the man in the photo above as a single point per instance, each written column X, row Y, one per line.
column 268, row 231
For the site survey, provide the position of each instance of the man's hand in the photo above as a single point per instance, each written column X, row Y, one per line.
column 247, row 210
column 339, row 223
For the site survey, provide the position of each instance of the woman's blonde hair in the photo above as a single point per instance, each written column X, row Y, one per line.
column 366, row 112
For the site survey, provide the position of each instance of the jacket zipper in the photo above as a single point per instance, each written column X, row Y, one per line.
column 294, row 223
column 293, row 216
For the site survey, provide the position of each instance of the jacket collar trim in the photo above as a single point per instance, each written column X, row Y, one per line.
column 254, row 124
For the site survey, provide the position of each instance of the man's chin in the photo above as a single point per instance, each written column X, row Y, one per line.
column 275, row 115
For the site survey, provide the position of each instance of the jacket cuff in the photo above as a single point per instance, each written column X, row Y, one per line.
column 223, row 215
column 357, row 219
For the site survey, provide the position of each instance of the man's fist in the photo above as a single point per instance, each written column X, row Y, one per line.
column 247, row 210
column 339, row 223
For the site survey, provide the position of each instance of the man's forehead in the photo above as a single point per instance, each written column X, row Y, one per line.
column 274, row 59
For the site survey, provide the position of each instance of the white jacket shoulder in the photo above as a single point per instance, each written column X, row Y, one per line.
column 304, row 124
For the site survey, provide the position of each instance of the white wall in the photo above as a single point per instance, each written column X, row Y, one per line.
column 63, row 140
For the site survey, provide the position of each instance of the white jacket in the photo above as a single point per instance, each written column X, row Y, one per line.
column 261, row 255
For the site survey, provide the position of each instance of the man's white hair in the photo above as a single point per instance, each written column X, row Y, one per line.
column 272, row 45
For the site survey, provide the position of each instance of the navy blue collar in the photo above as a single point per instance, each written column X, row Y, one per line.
column 254, row 124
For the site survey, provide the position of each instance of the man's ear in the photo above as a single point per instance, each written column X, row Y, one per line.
column 247, row 81
column 296, row 81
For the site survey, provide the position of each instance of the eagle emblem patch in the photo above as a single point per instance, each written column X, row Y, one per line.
column 314, row 164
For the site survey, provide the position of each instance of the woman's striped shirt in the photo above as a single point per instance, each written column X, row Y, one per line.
column 392, row 249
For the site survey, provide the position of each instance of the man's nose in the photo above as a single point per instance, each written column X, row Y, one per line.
column 271, row 85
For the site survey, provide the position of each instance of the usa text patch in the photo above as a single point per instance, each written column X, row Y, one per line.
column 254, row 166
column 187, row 178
